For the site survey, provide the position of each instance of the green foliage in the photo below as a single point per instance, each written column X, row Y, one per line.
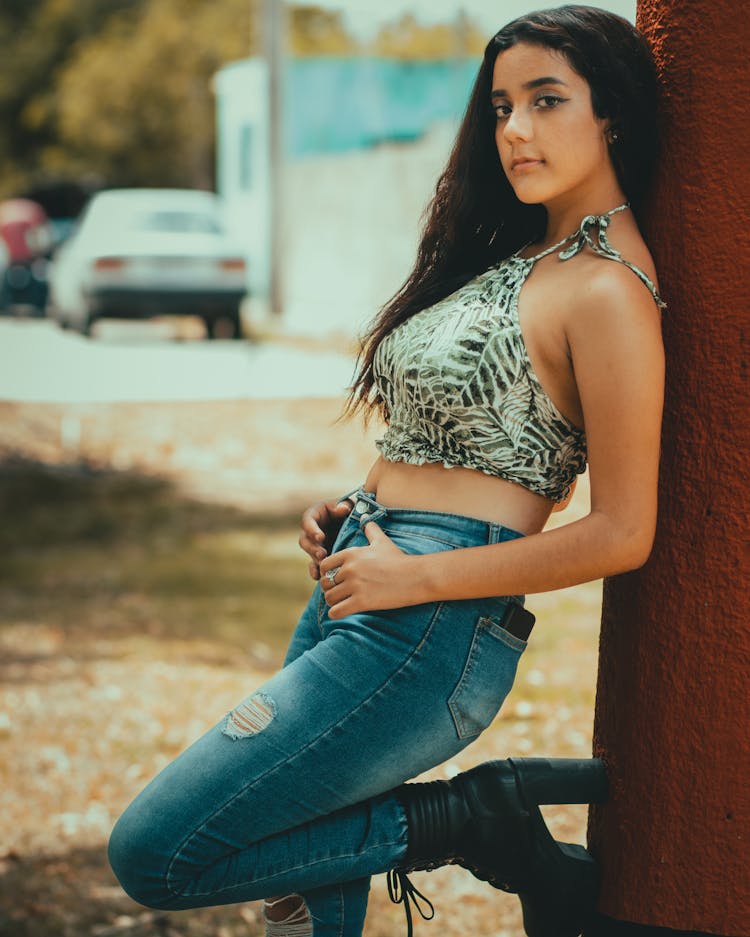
column 407, row 38
column 36, row 37
column 115, row 89
column 315, row 31
column 150, row 120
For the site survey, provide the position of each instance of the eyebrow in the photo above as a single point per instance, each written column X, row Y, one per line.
column 529, row 85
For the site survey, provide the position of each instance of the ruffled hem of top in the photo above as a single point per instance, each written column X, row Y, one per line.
column 405, row 453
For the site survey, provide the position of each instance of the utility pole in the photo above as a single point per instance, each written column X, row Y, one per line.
column 673, row 698
column 274, row 41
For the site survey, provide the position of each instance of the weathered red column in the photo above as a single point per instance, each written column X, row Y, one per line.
column 673, row 697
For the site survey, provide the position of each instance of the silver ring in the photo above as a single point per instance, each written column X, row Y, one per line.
column 331, row 574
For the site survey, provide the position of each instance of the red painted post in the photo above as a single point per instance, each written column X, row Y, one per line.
column 673, row 698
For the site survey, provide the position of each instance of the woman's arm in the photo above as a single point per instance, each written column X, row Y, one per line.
column 614, row 336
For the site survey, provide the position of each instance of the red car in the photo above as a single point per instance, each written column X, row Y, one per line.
column 27, row 238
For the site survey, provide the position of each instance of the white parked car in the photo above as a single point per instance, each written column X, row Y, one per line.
column 139, row 253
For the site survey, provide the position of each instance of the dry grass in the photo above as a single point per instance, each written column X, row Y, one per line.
column 133, row 616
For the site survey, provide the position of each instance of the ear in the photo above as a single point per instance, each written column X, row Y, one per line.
column 611, row 134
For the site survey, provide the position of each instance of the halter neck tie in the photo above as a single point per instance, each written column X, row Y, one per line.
column 592, row 232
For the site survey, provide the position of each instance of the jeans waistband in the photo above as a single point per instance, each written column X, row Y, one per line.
column 458, row 529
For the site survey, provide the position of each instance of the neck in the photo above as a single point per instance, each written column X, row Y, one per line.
column 563, row 219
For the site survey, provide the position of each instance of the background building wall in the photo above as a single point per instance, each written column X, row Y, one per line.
column 365, row 205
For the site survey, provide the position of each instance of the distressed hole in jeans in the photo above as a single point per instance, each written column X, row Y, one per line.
column 250, row 717
column 291, row 917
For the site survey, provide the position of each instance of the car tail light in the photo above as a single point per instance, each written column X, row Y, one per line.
column 109, row 263
column 234, row 263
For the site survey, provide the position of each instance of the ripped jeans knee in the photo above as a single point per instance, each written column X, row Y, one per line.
column 249, row 718
column 294, row 917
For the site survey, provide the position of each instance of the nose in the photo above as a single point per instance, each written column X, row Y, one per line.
column 518, row 126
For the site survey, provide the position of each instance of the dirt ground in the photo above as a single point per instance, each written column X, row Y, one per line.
column 72, row 703
column 255, row 454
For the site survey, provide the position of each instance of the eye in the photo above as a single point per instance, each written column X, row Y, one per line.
column 502, row 110
column 547, row 102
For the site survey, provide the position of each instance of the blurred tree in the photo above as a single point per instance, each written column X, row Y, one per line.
column 135, row 102
column 36, row 37
column 315, row 31
column 407, row 38
column 120, row 90
column 470, row 38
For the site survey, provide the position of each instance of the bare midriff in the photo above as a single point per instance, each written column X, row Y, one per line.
column 432, row 487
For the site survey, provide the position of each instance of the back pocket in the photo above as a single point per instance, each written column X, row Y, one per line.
column 487, row 677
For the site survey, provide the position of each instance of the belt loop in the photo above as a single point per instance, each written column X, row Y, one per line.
column 376, row 515
column 348, row 495
column 367, row 508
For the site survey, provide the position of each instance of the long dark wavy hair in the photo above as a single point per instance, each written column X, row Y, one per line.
column 474, row 219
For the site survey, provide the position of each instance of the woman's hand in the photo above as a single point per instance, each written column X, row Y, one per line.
column 367, row 578
column 320, row 526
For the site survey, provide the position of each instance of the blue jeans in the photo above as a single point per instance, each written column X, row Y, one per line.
column 292, row 791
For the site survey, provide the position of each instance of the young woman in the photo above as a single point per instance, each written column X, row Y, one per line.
column 525, row 342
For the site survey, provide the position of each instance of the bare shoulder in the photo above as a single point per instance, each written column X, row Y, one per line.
column 613, row 333
column 610, row 299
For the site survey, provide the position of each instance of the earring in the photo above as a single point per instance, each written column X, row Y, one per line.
column 612, row 136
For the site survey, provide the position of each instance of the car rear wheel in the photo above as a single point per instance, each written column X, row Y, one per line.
column 87, row 325
column 225, row 325
column 55, row 314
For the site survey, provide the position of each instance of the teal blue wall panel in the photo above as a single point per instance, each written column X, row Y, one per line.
column 331, row 105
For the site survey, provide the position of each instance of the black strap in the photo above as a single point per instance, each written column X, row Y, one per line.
column 402, row 891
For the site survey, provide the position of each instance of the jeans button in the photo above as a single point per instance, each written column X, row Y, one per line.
column 362, row 507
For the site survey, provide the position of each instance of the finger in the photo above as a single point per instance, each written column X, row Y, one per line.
column 336, row 593
column 343, row 608
column 327, row 582
column 374, row 533
column 342, row 508
column 313, row 549
column 311, row 527
column 314, row 571
column 337, row 559
column 306, row 542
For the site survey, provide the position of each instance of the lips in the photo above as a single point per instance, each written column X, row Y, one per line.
column 524, row 162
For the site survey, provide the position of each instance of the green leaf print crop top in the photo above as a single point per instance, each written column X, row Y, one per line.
column 459, row 387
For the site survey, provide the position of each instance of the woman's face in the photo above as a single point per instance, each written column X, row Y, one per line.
column 551, row 145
